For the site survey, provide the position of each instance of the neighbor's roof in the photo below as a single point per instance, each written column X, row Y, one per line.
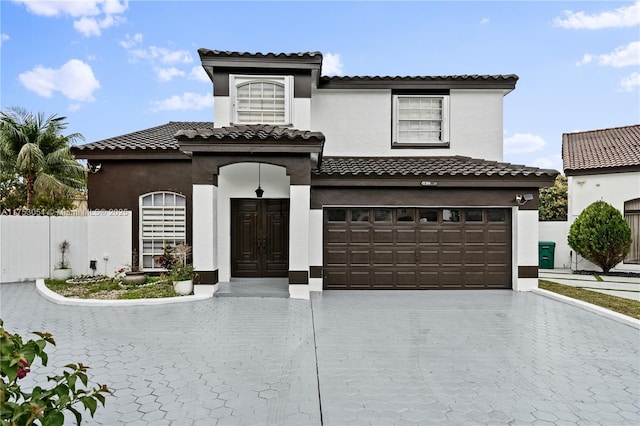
column 253, row 132
column 424, row 166
column 155, row 138
column 615, row 149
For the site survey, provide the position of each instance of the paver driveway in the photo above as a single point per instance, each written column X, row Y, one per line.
column 461, row 357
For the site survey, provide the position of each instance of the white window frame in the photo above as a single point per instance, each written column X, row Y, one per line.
column 160, row 225
column 237, row 80
column 444, row 138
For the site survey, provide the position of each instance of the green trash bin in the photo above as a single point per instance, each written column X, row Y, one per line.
column 546, row 252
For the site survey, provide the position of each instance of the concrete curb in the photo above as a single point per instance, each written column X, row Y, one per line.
column 202, row 292
column 624, row 319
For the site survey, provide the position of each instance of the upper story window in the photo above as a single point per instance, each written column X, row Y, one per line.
column 420, row 120
column 261, row 99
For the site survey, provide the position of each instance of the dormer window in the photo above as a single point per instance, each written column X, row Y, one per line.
column 261, row 99
column 421, row 120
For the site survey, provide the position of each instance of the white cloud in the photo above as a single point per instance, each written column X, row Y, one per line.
column 187, row 101
column 522, row 143
column 484, row 21
column 74, row 107
column 622, row 56
column 629, row 82
column 93, row 15
column 162, row 54
column 198, row 73
column 552, row 162
column 3, row 38
column 131, row 42
column 331, row 64
column 75, row 80
column 167, row 74
column 622, row 17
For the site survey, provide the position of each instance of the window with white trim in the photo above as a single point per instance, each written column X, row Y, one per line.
column 261, row 99
column 163, row 220
column 420, row 119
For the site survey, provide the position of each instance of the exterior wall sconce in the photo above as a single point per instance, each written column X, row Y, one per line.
column 93, row 265
column 95, row 168
column 259, row 191
column 522, row 199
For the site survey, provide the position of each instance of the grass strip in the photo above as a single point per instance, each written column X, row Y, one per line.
column 617, row 304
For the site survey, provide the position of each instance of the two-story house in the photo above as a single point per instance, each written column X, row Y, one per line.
column 331, row 182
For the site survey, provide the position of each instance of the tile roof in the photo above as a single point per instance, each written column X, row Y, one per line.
column 424, row 166
column 155, row 138
column 500, row 77
column 203, row 52
column 254, row 132
column 601, row 149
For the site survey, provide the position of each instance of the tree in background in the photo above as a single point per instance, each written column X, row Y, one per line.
column 36, row 158
column 601, row 235
column 553, row 201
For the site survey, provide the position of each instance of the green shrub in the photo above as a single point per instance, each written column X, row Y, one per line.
column 43, row 406
column 601, row 235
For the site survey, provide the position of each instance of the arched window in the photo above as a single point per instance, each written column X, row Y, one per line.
column 261, row 100
column 632, row 215
column 163, row 220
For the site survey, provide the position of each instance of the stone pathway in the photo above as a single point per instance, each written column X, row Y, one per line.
column 379, row 358
column 627, row 287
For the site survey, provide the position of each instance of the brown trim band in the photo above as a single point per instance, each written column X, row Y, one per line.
column 207, row 277
column 315, row 271
column 527, row 271
column 298, row 277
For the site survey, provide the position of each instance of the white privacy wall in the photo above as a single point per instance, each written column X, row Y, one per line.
column 29, row 245
column 359, row 123
column 557, row 232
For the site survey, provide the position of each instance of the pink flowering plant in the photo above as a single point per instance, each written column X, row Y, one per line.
column 44, row 406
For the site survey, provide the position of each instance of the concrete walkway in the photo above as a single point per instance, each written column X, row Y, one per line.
column 348, row 357
column 626, row 287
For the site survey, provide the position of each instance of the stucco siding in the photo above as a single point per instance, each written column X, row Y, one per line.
column 614, row 188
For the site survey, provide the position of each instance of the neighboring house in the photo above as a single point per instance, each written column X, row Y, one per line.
column 605, row 165
column 390, row 183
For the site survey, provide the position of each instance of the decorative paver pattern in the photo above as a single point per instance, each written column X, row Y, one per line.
column 472, row 357
column 379, row 358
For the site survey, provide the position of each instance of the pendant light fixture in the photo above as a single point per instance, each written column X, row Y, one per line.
column 259, row 191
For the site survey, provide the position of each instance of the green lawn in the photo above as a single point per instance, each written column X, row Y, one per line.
column 618, row 304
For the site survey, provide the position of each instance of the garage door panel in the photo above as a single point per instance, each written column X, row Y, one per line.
column 382, row 257
column 383, row 236
column 393, row 248
column 406, row 236
column 406, row 257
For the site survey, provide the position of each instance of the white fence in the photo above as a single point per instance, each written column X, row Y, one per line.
column 29, row 245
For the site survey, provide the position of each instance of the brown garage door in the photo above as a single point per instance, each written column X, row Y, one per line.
column 416, row 248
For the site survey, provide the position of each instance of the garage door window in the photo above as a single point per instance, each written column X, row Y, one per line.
column 383, row 215
column 473, row 216
column 450, row 215
column 406, row 215
column 497, row 215
column 428, row 216
column 360, row 215
column 337, row 215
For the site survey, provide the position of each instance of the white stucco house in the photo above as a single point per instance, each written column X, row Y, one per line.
column 605, row 165
column 360, row 182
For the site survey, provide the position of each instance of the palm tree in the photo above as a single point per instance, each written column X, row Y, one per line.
column 33, row 148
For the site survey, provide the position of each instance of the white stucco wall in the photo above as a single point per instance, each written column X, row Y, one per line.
column 557, row 232
column 614, row 188
column 525, row 243
column 240, row 180
column 204, row 228
column 359, row 122
column 109, row 235
column 315, row 246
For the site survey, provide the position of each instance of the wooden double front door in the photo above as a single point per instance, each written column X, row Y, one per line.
column 259, row 237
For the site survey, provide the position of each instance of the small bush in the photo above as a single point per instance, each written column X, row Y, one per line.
column 601, row 235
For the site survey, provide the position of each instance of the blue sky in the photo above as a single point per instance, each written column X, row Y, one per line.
column 113, row 67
